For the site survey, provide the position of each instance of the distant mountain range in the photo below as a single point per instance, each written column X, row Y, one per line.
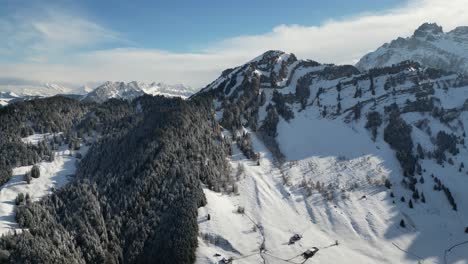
column 429, row 46
column 135, row 89
column 101, row 93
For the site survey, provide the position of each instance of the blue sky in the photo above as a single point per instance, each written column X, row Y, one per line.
column 193, row 41
column 185, row 26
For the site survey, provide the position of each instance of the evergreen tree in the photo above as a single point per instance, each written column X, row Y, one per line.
column 372, row 85
column 402, row 223
column 27, row 177
column 35, row 172
column 388, row 184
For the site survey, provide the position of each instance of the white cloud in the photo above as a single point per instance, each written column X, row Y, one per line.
column 344, row 41
column 337, row 41
column 50, row 35
column 67, row 32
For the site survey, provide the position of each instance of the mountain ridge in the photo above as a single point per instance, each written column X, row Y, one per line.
column 134, row 89
column 429, row 45
column 350, row 152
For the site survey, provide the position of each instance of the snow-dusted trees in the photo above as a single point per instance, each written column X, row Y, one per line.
column 438, row 186
column 245, row 144
column 374, row 120
column 280, row 103
column 271, row 121
column 35, row 172
column 5, row 173
column 142, row 210
column 357, row 110
column 445, row 142
column 22, row 119
column 302, row 90
column 398, row 135
column 372, row 85
column 420, row 151
column 19, row 199
column 402, row 223
column 27, row 177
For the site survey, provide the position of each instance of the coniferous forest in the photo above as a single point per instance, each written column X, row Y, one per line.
column 135, row 196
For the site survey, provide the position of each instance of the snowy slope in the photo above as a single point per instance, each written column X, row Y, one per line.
column 132, row 90
column 329, row 183
column 54, row 175
column 429, row 46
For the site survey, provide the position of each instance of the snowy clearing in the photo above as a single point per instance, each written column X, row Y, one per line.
column 54, row 175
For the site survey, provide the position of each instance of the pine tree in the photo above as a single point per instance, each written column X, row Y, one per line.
column 403, row 199
column 19, row 199
column 35, row 172
column 388, row 184
column 402, row 223
column 372, row 86
column 27, row 177
column 410, row 204
column 423, row 198
column 420, row 151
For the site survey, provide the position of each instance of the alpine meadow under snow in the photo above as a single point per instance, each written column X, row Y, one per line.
column 279, row 160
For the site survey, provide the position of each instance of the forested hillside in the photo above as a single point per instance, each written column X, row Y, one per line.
column 136, row 194
column 22, row 119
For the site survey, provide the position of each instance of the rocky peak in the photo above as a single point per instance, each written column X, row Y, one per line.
column 429, row 46
column 428, row 29
column 460, row 31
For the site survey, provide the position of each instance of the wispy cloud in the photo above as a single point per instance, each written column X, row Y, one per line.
column 336, row 41
column 49, row 35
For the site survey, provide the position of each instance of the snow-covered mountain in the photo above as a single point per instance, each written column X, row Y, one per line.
column 41, row 90
column 365, row 167
column 101, row 93
column 135, row 89
column 6, row 97
column 429, row 46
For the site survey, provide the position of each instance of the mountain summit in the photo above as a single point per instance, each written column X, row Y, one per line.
column 429, row 46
